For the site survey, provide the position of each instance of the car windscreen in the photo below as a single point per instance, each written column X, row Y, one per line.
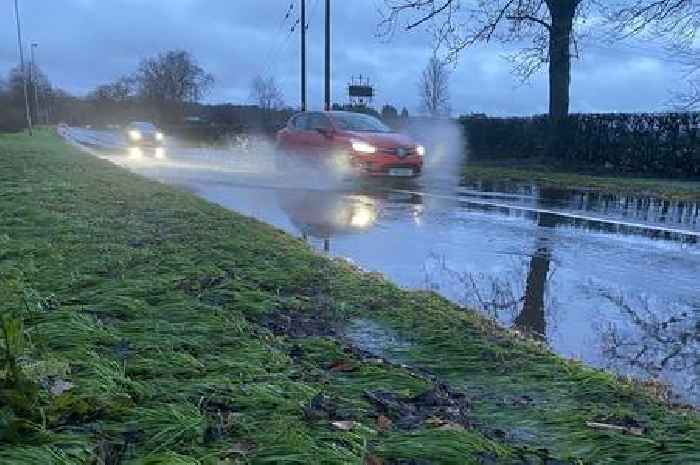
column 143, row 126
column 359, row 122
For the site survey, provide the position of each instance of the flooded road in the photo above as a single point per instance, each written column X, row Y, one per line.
column 610, row 280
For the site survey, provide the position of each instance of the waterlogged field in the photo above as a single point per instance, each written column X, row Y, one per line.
column 548, row 176
column 142, row 325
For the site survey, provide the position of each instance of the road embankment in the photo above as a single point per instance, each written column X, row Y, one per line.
column 142, row 324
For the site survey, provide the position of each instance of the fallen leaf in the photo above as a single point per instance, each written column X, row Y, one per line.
column 444, row 425
column 434, row 421
column 633, row 430
column 343, row 425
column 241, row 448
column 373, row 460
column 384, row 423
column 342, row 365
column 451, row 427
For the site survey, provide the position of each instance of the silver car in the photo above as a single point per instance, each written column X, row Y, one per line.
column 140, row 134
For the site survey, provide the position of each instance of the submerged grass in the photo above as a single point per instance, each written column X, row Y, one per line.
column 145, row 316
column 546, row 175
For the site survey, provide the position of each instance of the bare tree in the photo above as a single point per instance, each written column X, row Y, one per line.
column 170, row 80
column 434, row 88
column 266, row 93
column 548, row 24
column 121, row 90
column 679, row 18
column 676, row 20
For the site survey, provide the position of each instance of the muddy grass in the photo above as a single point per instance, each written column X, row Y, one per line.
column 605, row 181
column 143, row 325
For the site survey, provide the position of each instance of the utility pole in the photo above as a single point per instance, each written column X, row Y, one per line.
column 22, row 70
column 303, row 55
column 328, row 55
column 34, row 84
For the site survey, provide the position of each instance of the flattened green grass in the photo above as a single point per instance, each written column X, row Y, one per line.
column 143, row 310
column 548, row 176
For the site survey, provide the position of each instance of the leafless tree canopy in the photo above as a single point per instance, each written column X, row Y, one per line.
column 548, row 25
column 120, row 90
column 434, row 88
column 266, row 93
column 459, row 24
column 678, row 18
column 172, row 78
column 677, row 21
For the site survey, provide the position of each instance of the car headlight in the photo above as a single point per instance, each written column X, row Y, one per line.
column 160, row 136
column 420, row 150
column 134, row 135
column 363, row 147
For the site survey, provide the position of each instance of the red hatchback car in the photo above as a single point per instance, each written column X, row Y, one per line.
column 345, row 140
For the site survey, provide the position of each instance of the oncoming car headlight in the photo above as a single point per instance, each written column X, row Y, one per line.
column 134, row 134
column 160, row 136
column 363, row 147
column 420, row 150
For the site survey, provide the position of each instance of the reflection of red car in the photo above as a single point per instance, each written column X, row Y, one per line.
column 356, row 141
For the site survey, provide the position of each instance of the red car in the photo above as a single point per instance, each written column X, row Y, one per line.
column 358, row 143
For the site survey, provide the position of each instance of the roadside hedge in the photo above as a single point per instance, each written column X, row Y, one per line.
column 650, row 144
column 11, row 116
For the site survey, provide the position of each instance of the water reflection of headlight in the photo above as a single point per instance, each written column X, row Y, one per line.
column 362, row 217
column 135, row 152
column 160, row 153
column 418, row 214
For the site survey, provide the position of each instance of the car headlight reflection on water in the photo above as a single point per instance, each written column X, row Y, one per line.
column 363, row 217
column 135, row 135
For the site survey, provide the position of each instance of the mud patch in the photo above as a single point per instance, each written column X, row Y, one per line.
column 295, row 324
column 322, row 407
column 440, row 407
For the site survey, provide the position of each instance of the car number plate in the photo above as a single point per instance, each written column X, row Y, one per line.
column 401, row 172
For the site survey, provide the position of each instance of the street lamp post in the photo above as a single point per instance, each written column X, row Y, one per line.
column 22, row 70
column 328, row 57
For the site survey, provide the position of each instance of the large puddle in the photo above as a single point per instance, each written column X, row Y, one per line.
column 610, row 280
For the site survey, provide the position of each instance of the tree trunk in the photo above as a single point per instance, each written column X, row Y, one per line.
column 562, row 13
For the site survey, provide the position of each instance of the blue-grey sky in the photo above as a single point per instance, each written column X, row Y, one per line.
column 84, row 43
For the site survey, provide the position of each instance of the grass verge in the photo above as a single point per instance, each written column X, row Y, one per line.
column 143, row 325
column 548, row 176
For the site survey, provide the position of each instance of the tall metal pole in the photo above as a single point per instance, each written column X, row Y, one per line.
column 303, row 55
column 35, row 75
column 22, row 70
column 328, row 55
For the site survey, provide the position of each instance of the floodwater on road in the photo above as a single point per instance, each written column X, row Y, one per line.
column 610, row 280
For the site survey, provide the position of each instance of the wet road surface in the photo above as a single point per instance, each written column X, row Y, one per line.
column 610, row 280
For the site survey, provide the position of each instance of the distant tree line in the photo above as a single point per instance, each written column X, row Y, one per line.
column 160, row 90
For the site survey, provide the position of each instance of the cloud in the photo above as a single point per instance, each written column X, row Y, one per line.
column 84, row 43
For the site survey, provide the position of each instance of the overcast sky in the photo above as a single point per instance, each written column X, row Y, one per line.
column 84, row 43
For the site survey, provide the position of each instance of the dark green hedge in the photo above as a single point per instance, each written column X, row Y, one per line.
column 651, row 144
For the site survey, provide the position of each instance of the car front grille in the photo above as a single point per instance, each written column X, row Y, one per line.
column 400, row 152
column 414, row 167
